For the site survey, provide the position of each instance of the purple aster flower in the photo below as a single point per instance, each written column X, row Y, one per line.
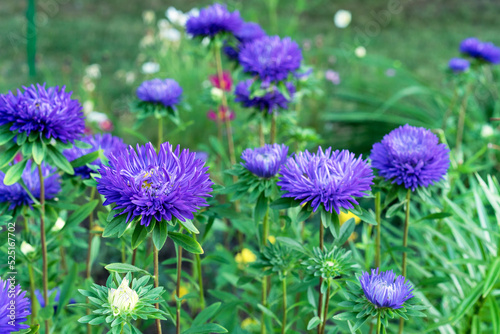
column 270, row 57
column 17, row 196
column 470, row 46
column 166, row 92
column 333, row 179
column 203, row 156
column 57, row 291
column 265, row 161
column 411, row 156
column 160, row 185
column 270, row 102
column 14, row 308
column 248, row 32
column 459, row 65
column 490, row 53
column 105, row 142
column 212, row 20
column 50, row 112
column 385, row 289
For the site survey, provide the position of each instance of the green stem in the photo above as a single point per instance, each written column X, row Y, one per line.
column 44, row 244
column 178, row 290
column 320, row 300
column 160, row 132
column 405, row 243
column 262, row 141
column 377, row 238
column 265, row 228
column 461, row 125
column 32, row 294
column 273, row 128
column 157, row 284
column 200, row 277
column 325, row 314
column 88, row 264
column 283, row 326
column 379, row 323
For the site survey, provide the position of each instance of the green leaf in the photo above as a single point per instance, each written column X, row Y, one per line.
column 59, row 160
column 313, row 323
column 9, row 155
column 437, row 215
column 85, row 159
column 38, row 151
column 14, row 173
column 7, row 136
column 284, row 203
column 293, row 244
column 160, row 234
column 345, row 316
column 304, row 213
column 468, row 302
column 188, row 225
column 261, row 207
column 206, row 314
column 81, row 213
column 46, row 313
column 345, row 231
column 186, row 242
column 495, row 314
column 207, row 328
column 117, row 225
column 492, row 277
column 269, row 313
column 67, row 288
column 140, row 233
column 125, row 268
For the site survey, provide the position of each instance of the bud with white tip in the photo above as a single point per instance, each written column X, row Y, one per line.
column 122, row 299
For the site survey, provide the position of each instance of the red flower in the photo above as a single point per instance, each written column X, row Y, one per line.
column 223, row 114
column 227, row 81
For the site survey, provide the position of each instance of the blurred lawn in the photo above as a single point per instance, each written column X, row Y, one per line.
column 74, row 34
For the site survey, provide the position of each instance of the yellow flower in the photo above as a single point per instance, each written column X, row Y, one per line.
column 182, row 292
column 272, row 239
column 248, row 322
column 343, row 217
column 246, row 256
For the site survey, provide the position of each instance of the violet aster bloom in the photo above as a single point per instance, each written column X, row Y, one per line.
column 106, row 142
column 265, row 161
column 151, row 185
column 332, row 179
column 459, row 64
column 166, row 92
column 470, row 46
column 411, row 156
column 17, row 196
column 271, row 58
column 50, row 112
column 385, row 290
column 490, row 52
column 57, row 291
column 212, row 20
column 13, row 302
column 270, row 102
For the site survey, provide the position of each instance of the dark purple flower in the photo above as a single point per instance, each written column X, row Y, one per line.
column 248, row 32
column 270, row 101
column 470, row 46
column 385, row 289
column 151, row 185
column 265, row 161
column 212, row 20
column 50, row 112
column 166, row 92
column 271, row 58
column 105, row 142
column 411, row 156
column 13, row 301
column 459, row 64
column 333, row 179
column 490, row 53
column 17, row 196
column 203, row 156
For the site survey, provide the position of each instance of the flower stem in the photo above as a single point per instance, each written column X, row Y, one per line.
column 405, row 243
column 461, row 125
column 379, row 323
column 200, row 277
column 327, row 298
column 88, row 265
column 262, row 141
column 160, row 132
column 320, row 301
column 265, row 228
column 32, row 294
column 157, row 284
column 284, row 306
column 44, row 244
column 377, row 238
column 273, row 128
column 178, row 290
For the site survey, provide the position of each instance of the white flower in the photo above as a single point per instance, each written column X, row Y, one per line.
column 147, row 40
column 58, row 225
column 130, row 77
column 97, row 117
column 122, row 299
column 216, row 94
column 342, row 18
column 487, row 131
column 360, row 52
column 176, row 16
column 93, row 71
column 88, row 85
column 193, row 12
column 205, row 41
column 150, row 67
column 88, row 107
column 148, row 16
column 171, row 35
column 26, row 248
